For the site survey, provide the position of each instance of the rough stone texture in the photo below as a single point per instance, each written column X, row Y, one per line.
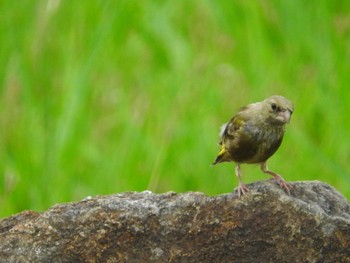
column 312, row 224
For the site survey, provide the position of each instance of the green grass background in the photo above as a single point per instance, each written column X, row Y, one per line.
column 100, row 97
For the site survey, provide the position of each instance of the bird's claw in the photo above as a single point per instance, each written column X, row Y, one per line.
column 242, row 189
column 283, row 184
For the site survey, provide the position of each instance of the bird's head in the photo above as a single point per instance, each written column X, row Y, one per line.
column 278, row 110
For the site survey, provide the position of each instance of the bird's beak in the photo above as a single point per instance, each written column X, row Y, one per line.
column 284, row 116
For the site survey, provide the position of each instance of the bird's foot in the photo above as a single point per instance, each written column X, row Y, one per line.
column 242, row 189
column 283, row 184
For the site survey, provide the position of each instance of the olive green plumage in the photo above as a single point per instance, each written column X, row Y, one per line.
column 254, row 134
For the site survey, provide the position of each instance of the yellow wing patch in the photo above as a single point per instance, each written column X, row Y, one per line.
column 223, row 155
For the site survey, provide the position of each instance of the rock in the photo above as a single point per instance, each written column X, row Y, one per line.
column 312, row 224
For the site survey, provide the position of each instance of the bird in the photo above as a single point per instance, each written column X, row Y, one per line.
column 253, row 135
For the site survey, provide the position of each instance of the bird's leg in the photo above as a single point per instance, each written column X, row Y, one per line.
column 283, row 184
column 242, row 189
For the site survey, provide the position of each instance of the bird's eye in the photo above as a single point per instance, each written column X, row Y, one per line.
column 273, row 106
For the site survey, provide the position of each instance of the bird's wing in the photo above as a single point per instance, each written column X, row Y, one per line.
column 236, row 122
column 233, row 126
column 229, row 130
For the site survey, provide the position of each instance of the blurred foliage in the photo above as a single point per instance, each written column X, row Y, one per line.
column 99, row 97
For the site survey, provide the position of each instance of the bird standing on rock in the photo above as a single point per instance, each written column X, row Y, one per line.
column 253, row 135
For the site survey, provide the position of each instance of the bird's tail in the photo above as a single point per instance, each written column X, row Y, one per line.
column 223, row 156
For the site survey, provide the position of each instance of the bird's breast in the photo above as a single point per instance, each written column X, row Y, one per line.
column 256, row 144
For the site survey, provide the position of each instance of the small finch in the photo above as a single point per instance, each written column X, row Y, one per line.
column 253, row 135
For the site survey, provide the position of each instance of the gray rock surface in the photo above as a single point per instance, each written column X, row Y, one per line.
column 312, row 224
